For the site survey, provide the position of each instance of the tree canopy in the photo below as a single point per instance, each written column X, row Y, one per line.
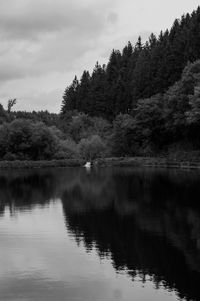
column 139, row 71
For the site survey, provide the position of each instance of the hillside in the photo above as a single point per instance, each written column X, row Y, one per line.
column 137, row 72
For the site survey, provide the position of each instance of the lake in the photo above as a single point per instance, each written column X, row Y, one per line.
column 101, row 235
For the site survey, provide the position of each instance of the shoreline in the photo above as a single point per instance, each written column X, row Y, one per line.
column 158, row 162
column 148, row 162
column 40, row 164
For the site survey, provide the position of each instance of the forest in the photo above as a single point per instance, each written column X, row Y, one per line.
column 144, row 102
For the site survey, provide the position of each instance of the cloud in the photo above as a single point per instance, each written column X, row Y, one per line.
column 29, row 19
column 113, row 18
column 42, row 36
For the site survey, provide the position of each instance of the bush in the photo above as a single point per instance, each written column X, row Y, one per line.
column 91, row 148
column 67, row 150
column 26, row 140
column 10, row 157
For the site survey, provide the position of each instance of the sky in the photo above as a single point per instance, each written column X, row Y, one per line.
column 45, row 43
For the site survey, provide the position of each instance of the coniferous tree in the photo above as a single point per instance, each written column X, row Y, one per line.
column 70, row 97
column 112, row 77
column 124, row 92
column 83, row 97
column 98, row 87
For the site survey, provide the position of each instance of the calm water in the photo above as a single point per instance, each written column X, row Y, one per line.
column 104, row 235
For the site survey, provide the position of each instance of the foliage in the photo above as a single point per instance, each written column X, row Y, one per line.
column 149, row 123
column 123, row 135
column 43, row 141
column 138, row 72
column 2, row 114
column 91, row 148
column 11, row 103
column 67, row 150
column 163, row 120
column 25, row 140
column 193, row 115
column 47, row 118
column 80, row 125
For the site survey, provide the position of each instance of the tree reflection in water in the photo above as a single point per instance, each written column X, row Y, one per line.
column 146, row 221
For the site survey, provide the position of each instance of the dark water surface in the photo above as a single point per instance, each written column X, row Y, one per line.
column 104, row 235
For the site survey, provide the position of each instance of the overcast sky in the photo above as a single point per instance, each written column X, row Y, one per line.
column 44, row 43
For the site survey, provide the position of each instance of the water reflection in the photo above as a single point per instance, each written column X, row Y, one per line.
column 146, row 221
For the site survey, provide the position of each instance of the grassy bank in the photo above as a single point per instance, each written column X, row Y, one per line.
column 149, row 162
column 41, row 164
column 165, row 162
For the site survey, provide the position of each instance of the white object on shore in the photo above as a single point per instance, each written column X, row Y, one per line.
column 88, row 165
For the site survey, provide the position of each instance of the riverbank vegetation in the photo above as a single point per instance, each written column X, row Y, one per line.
column 144, row 102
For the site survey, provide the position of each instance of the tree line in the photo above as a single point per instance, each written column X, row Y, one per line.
column 45, row 136
column 138, row 72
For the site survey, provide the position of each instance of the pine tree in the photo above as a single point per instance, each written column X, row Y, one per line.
column 83, row 99
column 112, row 77
column 70, row 102
column 98, row 95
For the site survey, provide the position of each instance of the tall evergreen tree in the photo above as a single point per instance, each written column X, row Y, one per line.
column 70, row 97
column 98, row 95
column 83, row 97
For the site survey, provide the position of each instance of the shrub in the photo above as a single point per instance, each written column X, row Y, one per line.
column 91, row 148
column 67, row 150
